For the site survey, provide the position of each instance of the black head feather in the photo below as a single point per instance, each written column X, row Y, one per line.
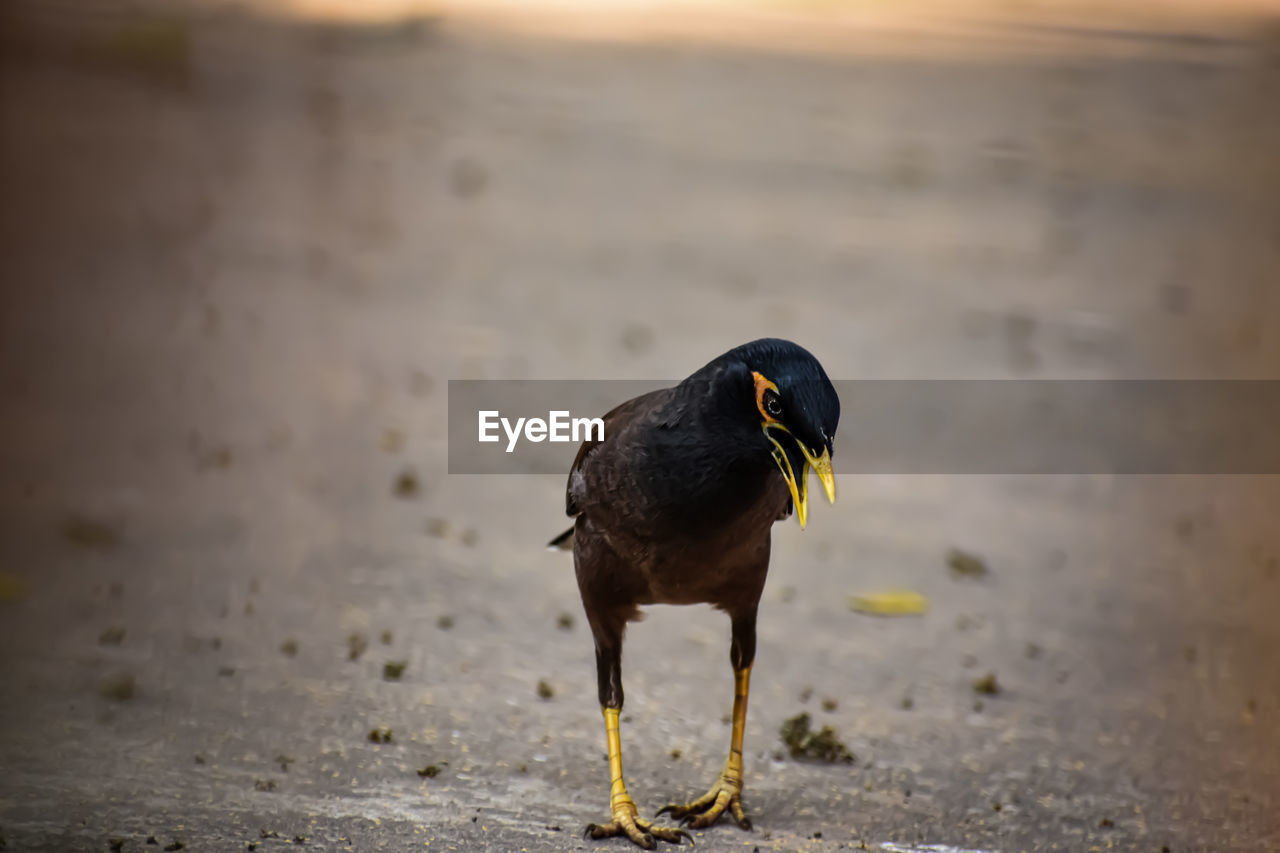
column 810, row 407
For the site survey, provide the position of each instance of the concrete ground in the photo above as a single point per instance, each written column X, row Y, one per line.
column 242, row 254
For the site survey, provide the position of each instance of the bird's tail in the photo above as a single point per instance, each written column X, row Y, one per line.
column 563, row 542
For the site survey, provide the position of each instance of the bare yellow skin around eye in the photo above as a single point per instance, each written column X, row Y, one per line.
column 762, row 385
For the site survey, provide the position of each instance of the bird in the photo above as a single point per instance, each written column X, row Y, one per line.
column 674, row 504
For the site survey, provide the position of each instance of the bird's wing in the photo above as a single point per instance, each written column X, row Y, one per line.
column 616, row 420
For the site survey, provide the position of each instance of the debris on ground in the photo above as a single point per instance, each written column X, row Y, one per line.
column 431, row 771
column 445, row 622
column 565, row 621
column 805, row 744
column 987, row 685
column 406, row 485
column 469, row 537
column 284, row 761
column 393, row 669
column 112, row 636
column 386, row 637
column 90, row 533
column 289, row 648
column 893, row 602
column 118, row 688
column 438, row 528
column 966, row 565
column 545, row 690
column 380, row 734
column 829, row 704
column 357, row 645
column 264, row 785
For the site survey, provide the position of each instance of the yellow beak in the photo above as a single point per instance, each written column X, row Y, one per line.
column 822, row 465
column 799, row 486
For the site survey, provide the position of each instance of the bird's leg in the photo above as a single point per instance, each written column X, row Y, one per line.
column 726, row 793
column 625, row 816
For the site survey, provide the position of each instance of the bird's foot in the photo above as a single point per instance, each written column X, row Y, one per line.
column 627, row 821
column 726, row 793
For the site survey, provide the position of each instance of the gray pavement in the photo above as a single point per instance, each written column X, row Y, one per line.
column 242, row 256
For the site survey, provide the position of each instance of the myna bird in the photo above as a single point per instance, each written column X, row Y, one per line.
column 674, row 506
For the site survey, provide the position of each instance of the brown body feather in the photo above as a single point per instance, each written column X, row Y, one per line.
column 675, row 505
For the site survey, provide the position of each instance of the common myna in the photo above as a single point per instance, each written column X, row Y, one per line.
column 674, row 506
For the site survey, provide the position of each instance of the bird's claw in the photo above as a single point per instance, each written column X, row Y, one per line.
column 645, row 834
column 707, row 809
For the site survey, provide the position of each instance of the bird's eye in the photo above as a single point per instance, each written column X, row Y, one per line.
column 772, row 405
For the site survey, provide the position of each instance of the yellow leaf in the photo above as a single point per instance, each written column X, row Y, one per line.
column 890, row 602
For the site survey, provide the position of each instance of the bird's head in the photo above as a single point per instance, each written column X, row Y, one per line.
column 798, row 412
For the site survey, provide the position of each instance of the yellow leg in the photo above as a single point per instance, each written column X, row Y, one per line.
column 726, row 793
column 626, row 820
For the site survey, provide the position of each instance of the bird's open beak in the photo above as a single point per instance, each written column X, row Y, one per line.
column 799, row 484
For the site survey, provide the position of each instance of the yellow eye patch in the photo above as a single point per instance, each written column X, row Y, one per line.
column 763, row 385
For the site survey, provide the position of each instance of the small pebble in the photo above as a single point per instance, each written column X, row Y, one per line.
column 986, row 685
column 965, row 565
column 406, row 485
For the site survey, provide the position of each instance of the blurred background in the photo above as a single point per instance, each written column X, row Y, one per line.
column 245, row 246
